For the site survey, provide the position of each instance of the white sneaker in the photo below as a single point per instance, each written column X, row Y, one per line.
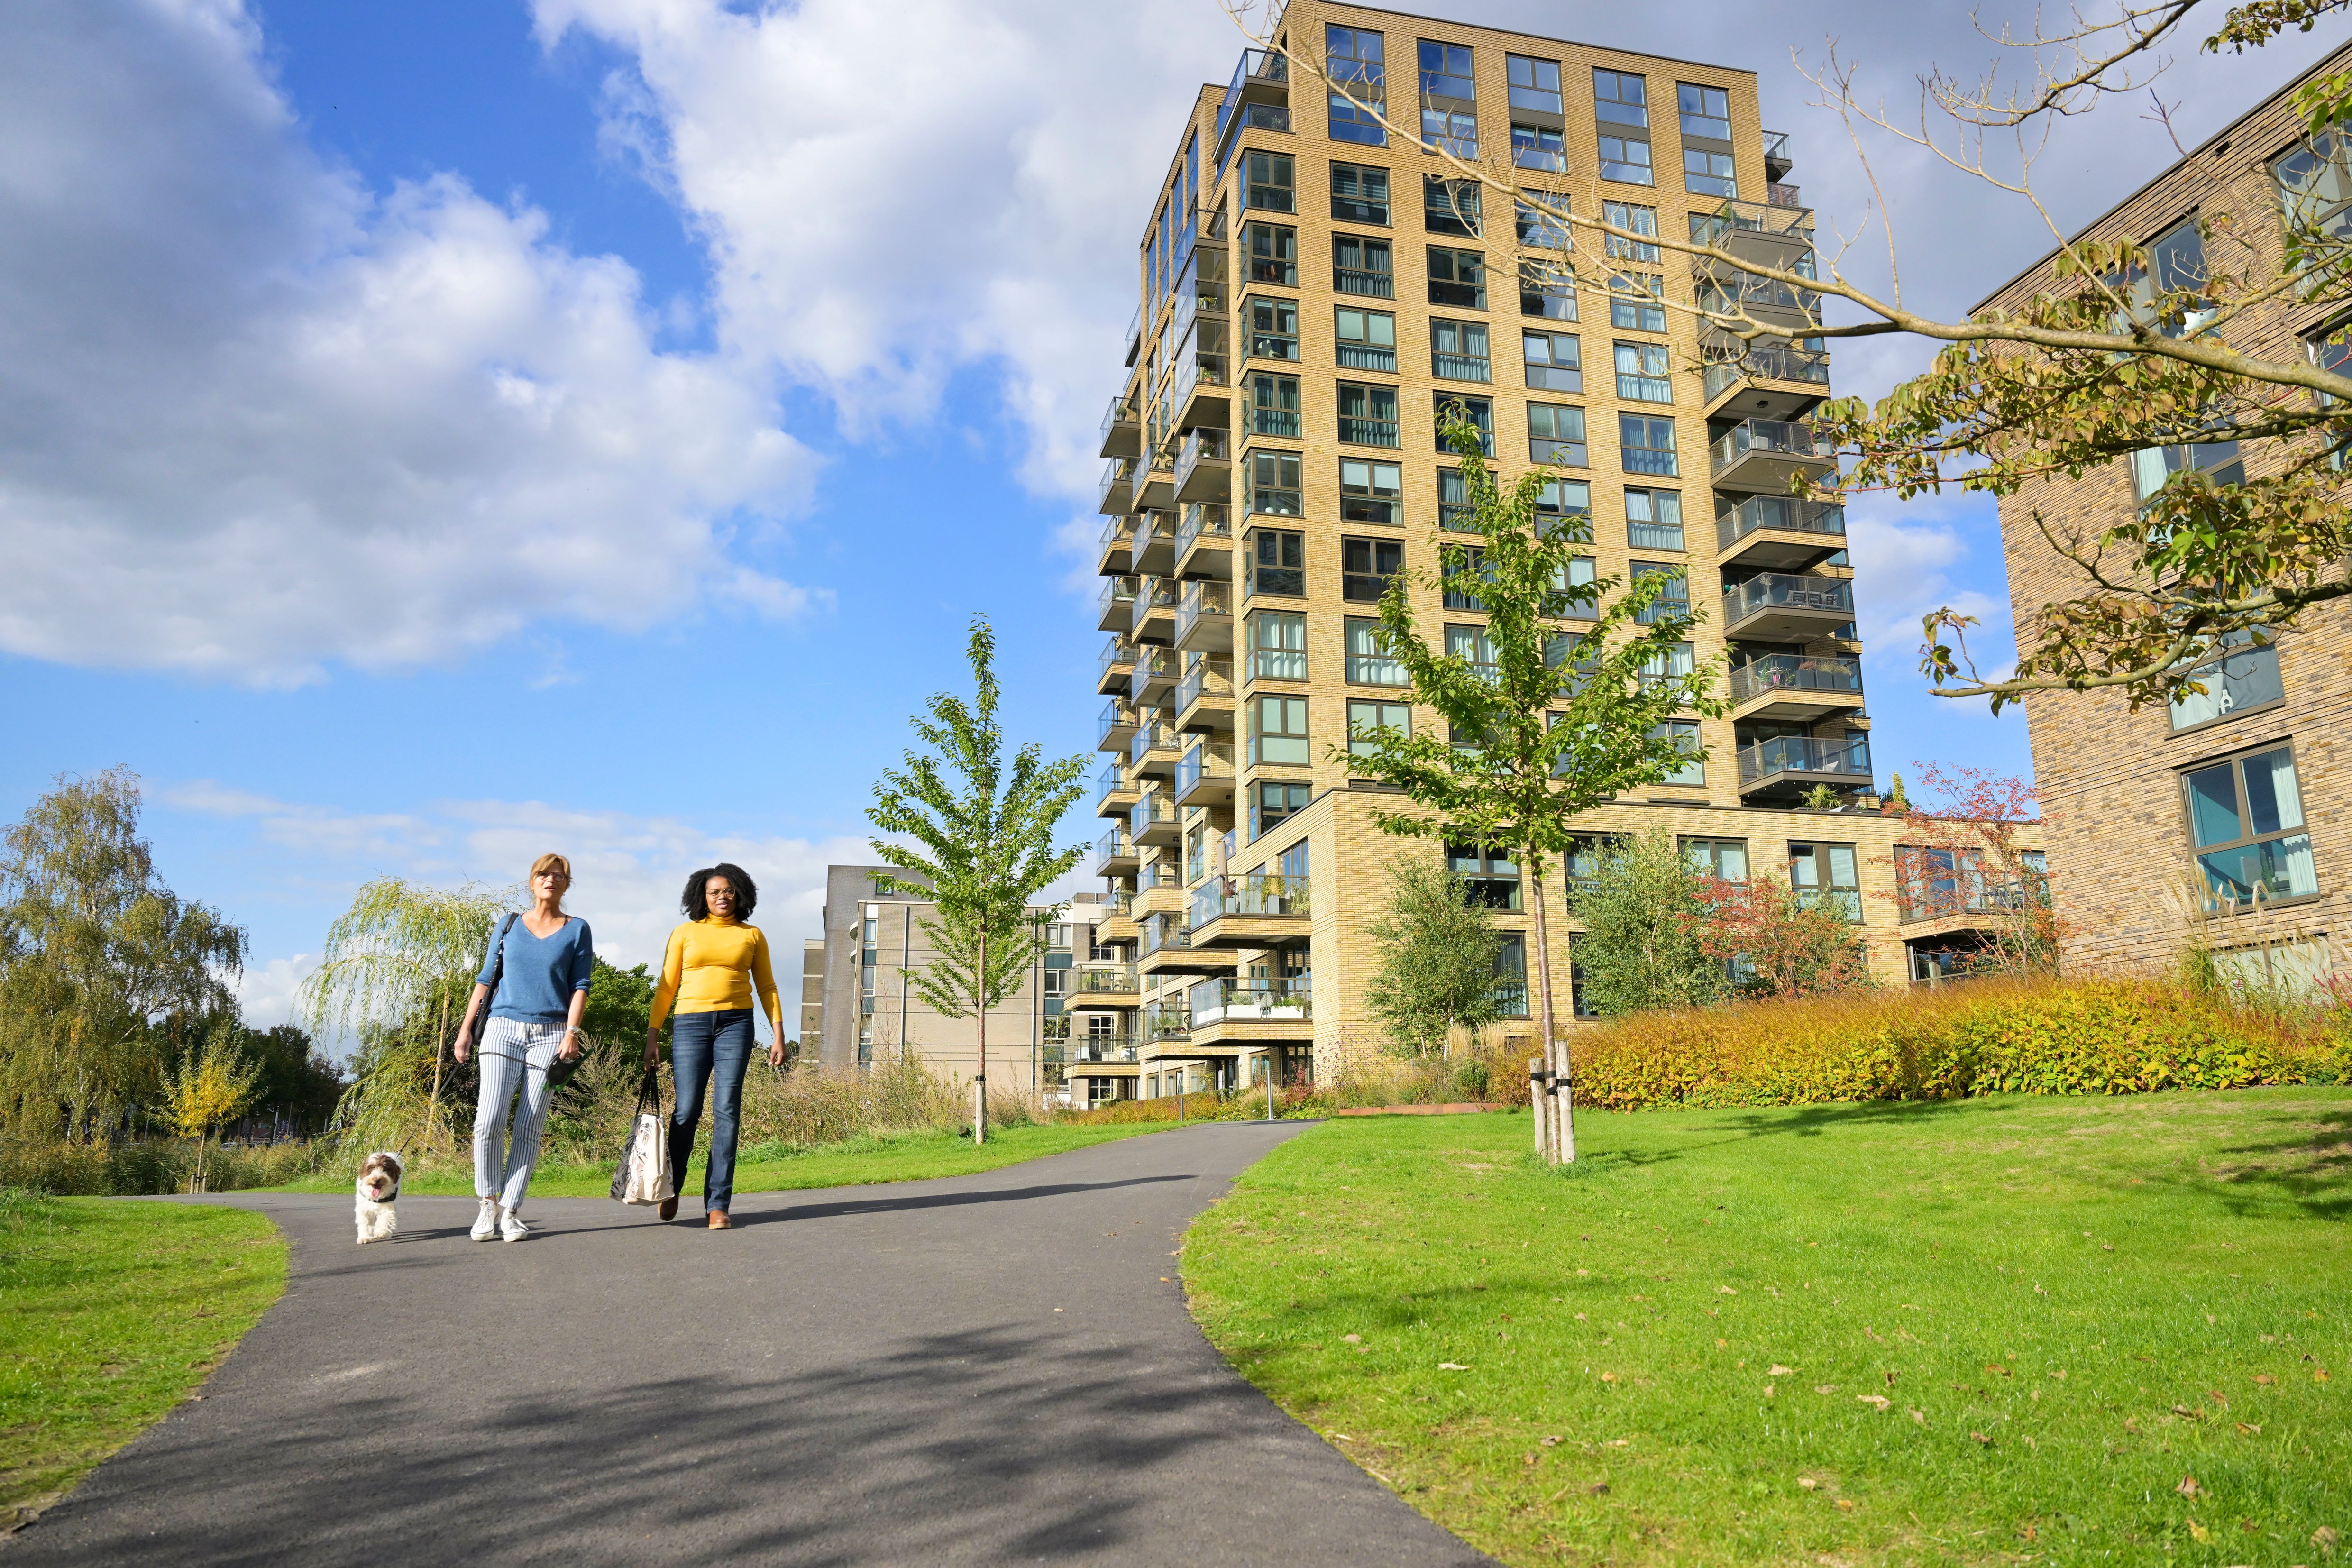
column 510, row 1226
column 486, row 1223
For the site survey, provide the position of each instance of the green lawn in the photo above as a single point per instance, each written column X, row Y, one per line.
column 776, row 1168
column 110, row 1313
column 2060, row 1331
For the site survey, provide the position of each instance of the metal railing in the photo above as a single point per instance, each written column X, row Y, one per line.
column 1203, row 599
column 1152, row 811
column 1204, row 677
column 1116, row 653
column 1786, row 513
column 1765, row 365
column 1115, row 715
column 1200, row 446
column 1115, row 591
column 1796, row 672
column 1101, row 979
column 1202, row 519
column 1775, row 218
column 1782, row 591
column 1804, row 755
column 1148, row 739
column 1778, row 437
column 1225, row 1000
column 1263, row 894
column 1210, row 759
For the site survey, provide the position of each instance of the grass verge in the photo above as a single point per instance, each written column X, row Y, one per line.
column 113, row 1312
column 777, row 1167
column 2003, row 1330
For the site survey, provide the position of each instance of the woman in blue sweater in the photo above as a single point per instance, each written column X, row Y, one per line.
column 541, row 963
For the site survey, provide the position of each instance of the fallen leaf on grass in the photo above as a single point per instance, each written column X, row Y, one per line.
column 1845, row 1504
column 2199, row 1532
column 1982, row 1438
column 2188, row 1487
column 2320, row 1376
column 1879, row 1400
column 1451, row 1366
column 1551, row 1442
column 1598, row 1488
column 2263, row 1377
column 1920, row 1416
column 1608, row 1377
column 2250, row 1431
column 1825, row 1388
column 1351, row 1338
column 1776, row 1370
column 1807, row 1482
column 2324, row 1538
column 1725, row 1290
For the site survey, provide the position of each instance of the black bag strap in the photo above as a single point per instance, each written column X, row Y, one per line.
column 498, row 973
column 649, row 1092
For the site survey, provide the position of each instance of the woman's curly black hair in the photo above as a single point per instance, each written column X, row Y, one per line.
column 696, row 905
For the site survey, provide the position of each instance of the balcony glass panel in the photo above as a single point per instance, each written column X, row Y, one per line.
column 1805, row 755
column 1255, row 897
column 1780, row 512
column 1225, row 1000
column 1774, row 436
column 1780, row 591
column 1796, row 672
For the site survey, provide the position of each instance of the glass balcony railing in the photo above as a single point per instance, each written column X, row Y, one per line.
column 1222, row 1000
column 1154, row 594
column 1123, row 410
column 1776, row 147
column 1260, row 69
column 1152, row 811
column 1766, row 364
column 1117, row 655
column 1211, row 759
column 1201, row 446
column 1164, row 1021
column 1099, row 980
column 1796, row 673
column 1787, row 198
column 1113, row 846
column 1152, row 665
column 1204, row 601
column 1780, row 591
column 1116, row 531
column 1805, row 755
column 1157, row 874
column 1202, row 520
column 1109, row 783
column 1148, row 739
column 1117, row 484
column 1100, row 1049
column 1116, row 591
column 1165, row 932
column 1260, row 896
column 1119, row 903
column 1204, row 677
column 1778, row 437
column 1115, row 715
column 1786, row 513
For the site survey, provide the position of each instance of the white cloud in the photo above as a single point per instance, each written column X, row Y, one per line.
column 255, row 419
column 268, row 994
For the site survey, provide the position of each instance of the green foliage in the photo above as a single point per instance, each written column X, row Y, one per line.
column 297, row 1081
column 1643, row 917
column 145, row 1167
column 620, row 1006
column 101, row 965
column 1437, row 951
column 1779, row 944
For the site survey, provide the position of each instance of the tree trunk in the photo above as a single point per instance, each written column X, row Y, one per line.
column 1536, row 1102
column 979, row 1080
column 1563, row 1095
column 433, row 1105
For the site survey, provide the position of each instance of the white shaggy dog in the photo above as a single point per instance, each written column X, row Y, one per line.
column 378, row 1187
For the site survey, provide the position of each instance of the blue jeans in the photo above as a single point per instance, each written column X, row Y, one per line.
column 710, row 1050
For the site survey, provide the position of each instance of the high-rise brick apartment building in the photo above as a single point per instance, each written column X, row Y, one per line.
column 2250, row 786
column 1314, row 290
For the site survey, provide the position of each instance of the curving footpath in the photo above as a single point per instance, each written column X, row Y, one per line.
column 983, row 1368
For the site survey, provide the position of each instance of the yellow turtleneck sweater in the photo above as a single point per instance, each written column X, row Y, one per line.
column 713, row 965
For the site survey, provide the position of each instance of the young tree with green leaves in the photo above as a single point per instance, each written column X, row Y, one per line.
column 211, row 1087
column 95, row 954
column 975, row 838
column 1644, row 913
column 1437, row 952
column 1564, row 717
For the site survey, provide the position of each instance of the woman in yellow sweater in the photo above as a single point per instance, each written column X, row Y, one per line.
column 714, row 965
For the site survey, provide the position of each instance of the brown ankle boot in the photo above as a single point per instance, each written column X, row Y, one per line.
column 669, row 1208
column 718, row 1220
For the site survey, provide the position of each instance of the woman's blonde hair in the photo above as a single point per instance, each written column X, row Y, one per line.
column 557, row 864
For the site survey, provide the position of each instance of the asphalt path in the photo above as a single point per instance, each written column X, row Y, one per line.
column 985, row 1368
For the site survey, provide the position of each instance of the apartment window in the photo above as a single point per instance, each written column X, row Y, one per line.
column 1449, row 206
column 1538, row 147
column 1541, row 223
column 1561, row 503
column 1273, row 483
column 1468, row 568
column 1674, row 597
column 1555, row 361
column 1589, row 857
column 1511, row 975
column 1366, row 340
column 1473, row 647
column 1367, row 720
column 1362, row 265
column 1653, row 519
column 1271, row 184
column 1368, row 661
column 1580, row 996
column 1555, row 435
column 1367, row 564
column 1621, row 104
column 2176, row 266
column 1710, row 173
column 1706, row 110
column 1277, row 645
column 1278, row 731
column 2245, row 820
column 1368, row 415
column 1647, row 445
column 1273, row 253
column 1565, row 651
column 1453, row 508
column 1274, row 405
column 1723, row 859
column 1449, row 96
column 1643, row 375
column 1457, row 278
column 2238, row 683
column 1493, row 880
column 2152, row 467
column 1274, row 329
column 1360, row 194
column 1824, row 876
column 1457, row 350
column 1354, row 60
column 1272, row 804
column 1478, row 411
column 1635, row 302
column 1641, row 220
column 1675, row 661
column 1277, row 562
column 1543, row 292
column 2316, row 189
column 1370, row 491
column 1534, row 84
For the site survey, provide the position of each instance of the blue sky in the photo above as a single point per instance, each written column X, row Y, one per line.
column 437, row 430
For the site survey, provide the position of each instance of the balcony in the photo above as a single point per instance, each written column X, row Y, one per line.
column 1776, row 607
column 1777, row 161
column 1205, row 776
column 1154, row 677
column 1151, row 753
column 1205, row 541
column 1251, row 910
column 1118, row 662
column 1204, row 697
column 1152, row 551
column 1795, row 763
column 1205, row 469
column 1101, row 985
column 1155, row 489
column 1203, row 390
column 1115, row 603
column 1781, row 532
column 1094, row 1049
column 1122, row 428
column 1775, row 383
column 1152, row 819
column 1118, row 486
column 1204, row 619
column 1117, row 533
column 1118, row 727
column 1252, row 1001
column 1798, row 688
column 1262, row 77
column 1114, row 855
column 1155, row 609
column 1167, row 947
column 1769, row 455
column 1165, row 1024
column 1114, row 791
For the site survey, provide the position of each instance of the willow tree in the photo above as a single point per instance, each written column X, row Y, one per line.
column 975, row 837
column 396, row 970
column 1569, row 704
